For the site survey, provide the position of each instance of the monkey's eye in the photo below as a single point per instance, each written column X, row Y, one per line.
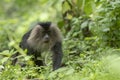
column 43, row 32
column 48, row 32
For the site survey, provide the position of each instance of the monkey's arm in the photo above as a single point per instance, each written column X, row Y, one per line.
column 57, row 55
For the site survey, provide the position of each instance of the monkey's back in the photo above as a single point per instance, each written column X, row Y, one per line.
column 23, row 44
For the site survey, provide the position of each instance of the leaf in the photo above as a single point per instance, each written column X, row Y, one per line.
column 106, row 29
column 70, row 71
column 84, row 24
column 65, row 7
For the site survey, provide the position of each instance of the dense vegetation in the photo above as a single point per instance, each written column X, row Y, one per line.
column 91, row 42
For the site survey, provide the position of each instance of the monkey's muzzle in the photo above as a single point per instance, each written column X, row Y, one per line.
column 46, row 38
column 46, row 41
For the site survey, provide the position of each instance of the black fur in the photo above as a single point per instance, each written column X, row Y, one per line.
column 57, row 55
column 45, row 25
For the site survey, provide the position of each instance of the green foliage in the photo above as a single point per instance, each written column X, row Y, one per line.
column 90, row 45
column 107, row 22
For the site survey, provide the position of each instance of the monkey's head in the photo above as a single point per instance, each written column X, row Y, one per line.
column 44, row 33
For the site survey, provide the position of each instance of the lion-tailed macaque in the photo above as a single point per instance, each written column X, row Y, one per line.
column 44, row 36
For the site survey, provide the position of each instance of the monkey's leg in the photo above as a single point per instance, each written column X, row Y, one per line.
column 37, row 59
column 57, row 55
column 39, row 62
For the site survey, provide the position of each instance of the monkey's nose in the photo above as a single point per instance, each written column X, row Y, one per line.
column 46, row 38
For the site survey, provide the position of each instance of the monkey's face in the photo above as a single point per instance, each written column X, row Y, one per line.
column 46, row 36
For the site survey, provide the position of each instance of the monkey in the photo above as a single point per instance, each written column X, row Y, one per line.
column 44, row 36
